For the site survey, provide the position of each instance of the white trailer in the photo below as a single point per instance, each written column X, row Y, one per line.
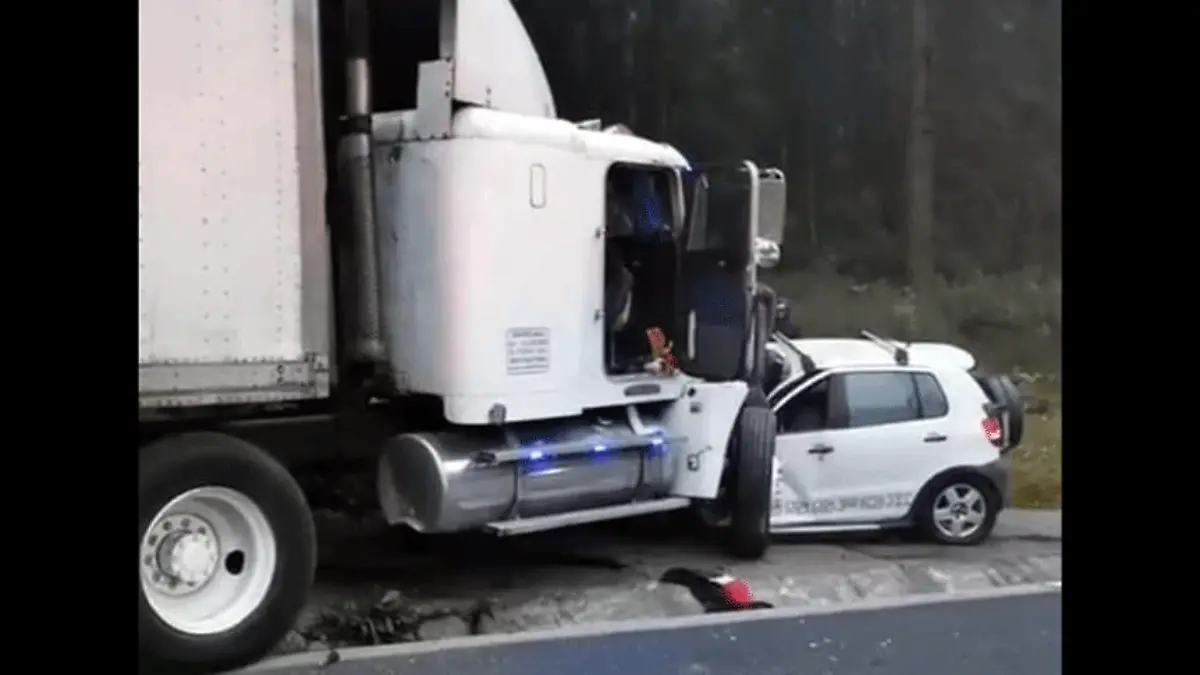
column 532, row 322
column 233, row 259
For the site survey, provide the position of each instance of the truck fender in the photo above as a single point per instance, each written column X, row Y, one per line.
column 705, row 415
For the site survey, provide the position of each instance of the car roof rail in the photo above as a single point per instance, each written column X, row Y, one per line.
column 899, row 352
column 806, row 361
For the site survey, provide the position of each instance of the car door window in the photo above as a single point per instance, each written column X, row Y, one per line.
column 807, row 411
column 880, row 398
column 783, row 390
column 932, row 398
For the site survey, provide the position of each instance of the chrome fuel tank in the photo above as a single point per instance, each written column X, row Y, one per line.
column 466, row 478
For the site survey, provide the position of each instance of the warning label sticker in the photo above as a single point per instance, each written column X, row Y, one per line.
column 528, row 351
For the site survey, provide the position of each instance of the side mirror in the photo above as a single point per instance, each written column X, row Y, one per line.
column 772, row 205
column 739, row 210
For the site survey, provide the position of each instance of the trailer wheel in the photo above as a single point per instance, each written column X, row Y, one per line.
column 227, row 552
column 750, row 489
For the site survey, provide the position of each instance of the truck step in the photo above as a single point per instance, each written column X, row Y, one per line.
column 506, row 528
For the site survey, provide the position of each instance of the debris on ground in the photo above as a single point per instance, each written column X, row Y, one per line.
column 392, row 619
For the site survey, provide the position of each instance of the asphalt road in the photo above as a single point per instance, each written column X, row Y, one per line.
column 1013, row 635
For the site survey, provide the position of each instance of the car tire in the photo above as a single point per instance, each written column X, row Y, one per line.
column 239, row 530
column 753, row 447
column 959, row 511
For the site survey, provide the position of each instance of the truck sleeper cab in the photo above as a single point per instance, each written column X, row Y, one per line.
column 513, row 300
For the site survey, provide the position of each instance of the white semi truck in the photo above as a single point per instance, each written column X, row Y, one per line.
column 531, row 322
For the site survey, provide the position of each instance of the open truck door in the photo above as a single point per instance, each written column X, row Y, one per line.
column 721, row 249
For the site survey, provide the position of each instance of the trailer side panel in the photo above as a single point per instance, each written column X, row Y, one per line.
column 233, row 263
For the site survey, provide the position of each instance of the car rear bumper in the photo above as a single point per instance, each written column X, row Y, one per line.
column 1000, row 472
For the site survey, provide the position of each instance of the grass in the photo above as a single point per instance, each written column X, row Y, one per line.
column 1037, row 462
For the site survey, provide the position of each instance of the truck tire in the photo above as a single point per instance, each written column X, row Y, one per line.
column 227, row 553
column 750, row 490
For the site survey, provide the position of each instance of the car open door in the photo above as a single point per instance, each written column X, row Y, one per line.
column 718, row 272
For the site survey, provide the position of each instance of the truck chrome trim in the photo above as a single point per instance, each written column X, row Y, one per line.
column 457, row 480
column 169, row 385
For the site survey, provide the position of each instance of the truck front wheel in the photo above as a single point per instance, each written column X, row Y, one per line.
column 227, row 552
column 753, row 454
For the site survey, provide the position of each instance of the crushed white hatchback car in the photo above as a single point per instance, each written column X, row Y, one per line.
column 876, row 434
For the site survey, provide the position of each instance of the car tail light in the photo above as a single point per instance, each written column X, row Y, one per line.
column 994, row 430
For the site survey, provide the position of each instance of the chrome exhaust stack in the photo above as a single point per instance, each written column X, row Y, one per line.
column 357, row 179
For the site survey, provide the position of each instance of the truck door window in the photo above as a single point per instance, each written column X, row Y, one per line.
column 777, row 371
column 880, row 398
column 807, row 411
column 640, row 265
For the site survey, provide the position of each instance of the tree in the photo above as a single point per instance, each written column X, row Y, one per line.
column 845, row 96
column 919, row 166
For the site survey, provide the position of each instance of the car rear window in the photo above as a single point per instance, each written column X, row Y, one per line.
column 932, row 398
column 981, row 380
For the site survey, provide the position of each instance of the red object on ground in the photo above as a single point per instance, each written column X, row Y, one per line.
column 715, row 591
column 736, row 592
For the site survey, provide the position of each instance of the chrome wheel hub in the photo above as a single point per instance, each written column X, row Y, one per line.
column 180, row 554
column 959, row 511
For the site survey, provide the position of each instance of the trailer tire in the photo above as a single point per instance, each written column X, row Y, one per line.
column 208, row 496
column 753, row 449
